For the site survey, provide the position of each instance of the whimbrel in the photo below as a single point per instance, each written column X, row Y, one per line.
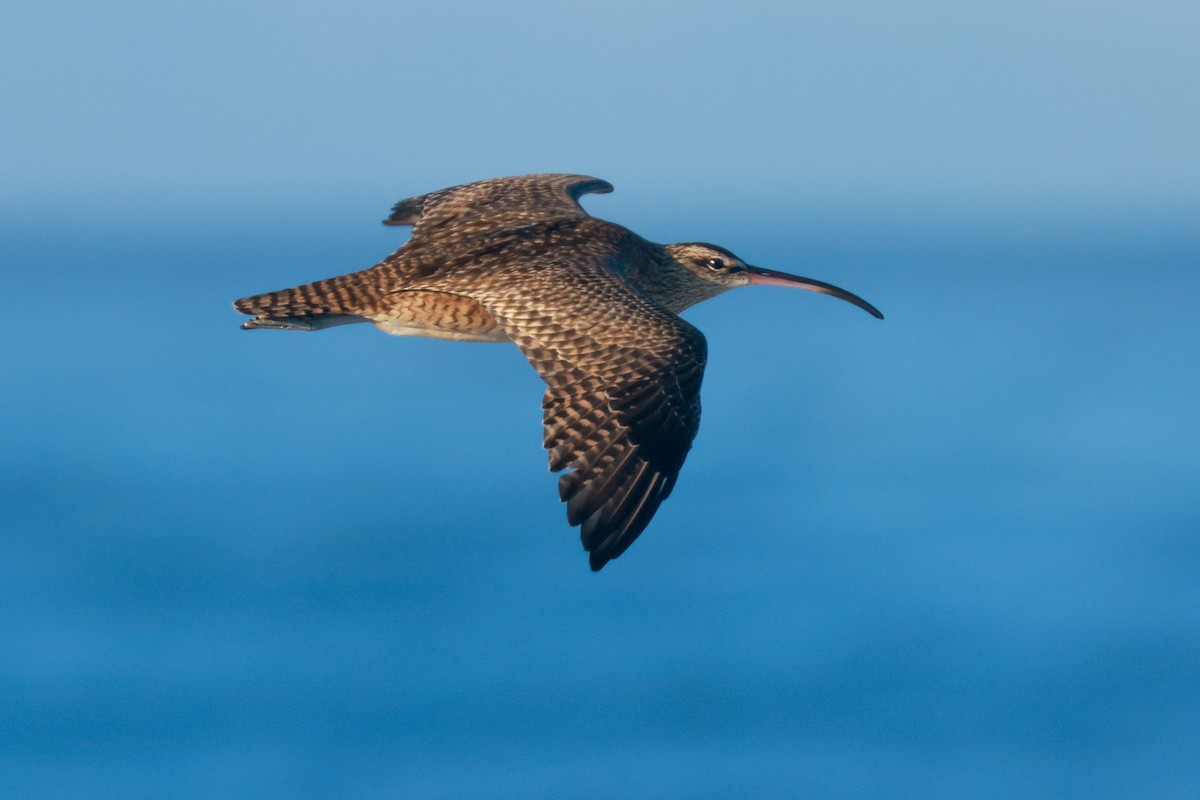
column 592, row 305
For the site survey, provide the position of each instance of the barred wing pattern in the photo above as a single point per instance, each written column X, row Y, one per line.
column 620, row 412
column 491, row 205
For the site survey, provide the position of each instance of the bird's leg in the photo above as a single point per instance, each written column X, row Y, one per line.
column 314, row 322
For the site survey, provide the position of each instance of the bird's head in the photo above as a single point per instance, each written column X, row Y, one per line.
column 719, row 270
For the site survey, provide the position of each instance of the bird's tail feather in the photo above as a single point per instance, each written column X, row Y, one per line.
column 312, row 305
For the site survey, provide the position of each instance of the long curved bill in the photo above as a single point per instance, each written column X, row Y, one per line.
column 769, row 277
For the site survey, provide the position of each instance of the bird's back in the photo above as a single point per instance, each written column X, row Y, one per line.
column 465, row 238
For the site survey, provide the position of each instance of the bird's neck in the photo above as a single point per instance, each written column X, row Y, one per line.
column 667, row 282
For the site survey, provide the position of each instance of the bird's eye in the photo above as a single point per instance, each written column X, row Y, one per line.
column 715, row 263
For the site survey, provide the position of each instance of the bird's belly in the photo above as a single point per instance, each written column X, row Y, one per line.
column 438, row 315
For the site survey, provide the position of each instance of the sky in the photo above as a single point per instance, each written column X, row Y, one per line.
column 1022, row 104
column 949, row 554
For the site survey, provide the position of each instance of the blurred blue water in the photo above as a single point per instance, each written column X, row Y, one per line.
column 952, row 554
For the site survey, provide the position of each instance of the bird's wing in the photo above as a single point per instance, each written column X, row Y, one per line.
column 498, row 203
column 623, row 399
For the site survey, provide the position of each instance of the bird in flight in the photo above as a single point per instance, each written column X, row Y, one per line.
column 592, row 305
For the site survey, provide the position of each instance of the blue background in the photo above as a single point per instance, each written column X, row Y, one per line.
column 951, row 554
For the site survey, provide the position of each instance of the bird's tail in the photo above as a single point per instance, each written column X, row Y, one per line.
column 312, row 306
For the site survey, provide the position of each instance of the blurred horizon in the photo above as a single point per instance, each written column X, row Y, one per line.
column 1009, row 101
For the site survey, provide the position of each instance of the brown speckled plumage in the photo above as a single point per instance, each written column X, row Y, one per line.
column 593, row 307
